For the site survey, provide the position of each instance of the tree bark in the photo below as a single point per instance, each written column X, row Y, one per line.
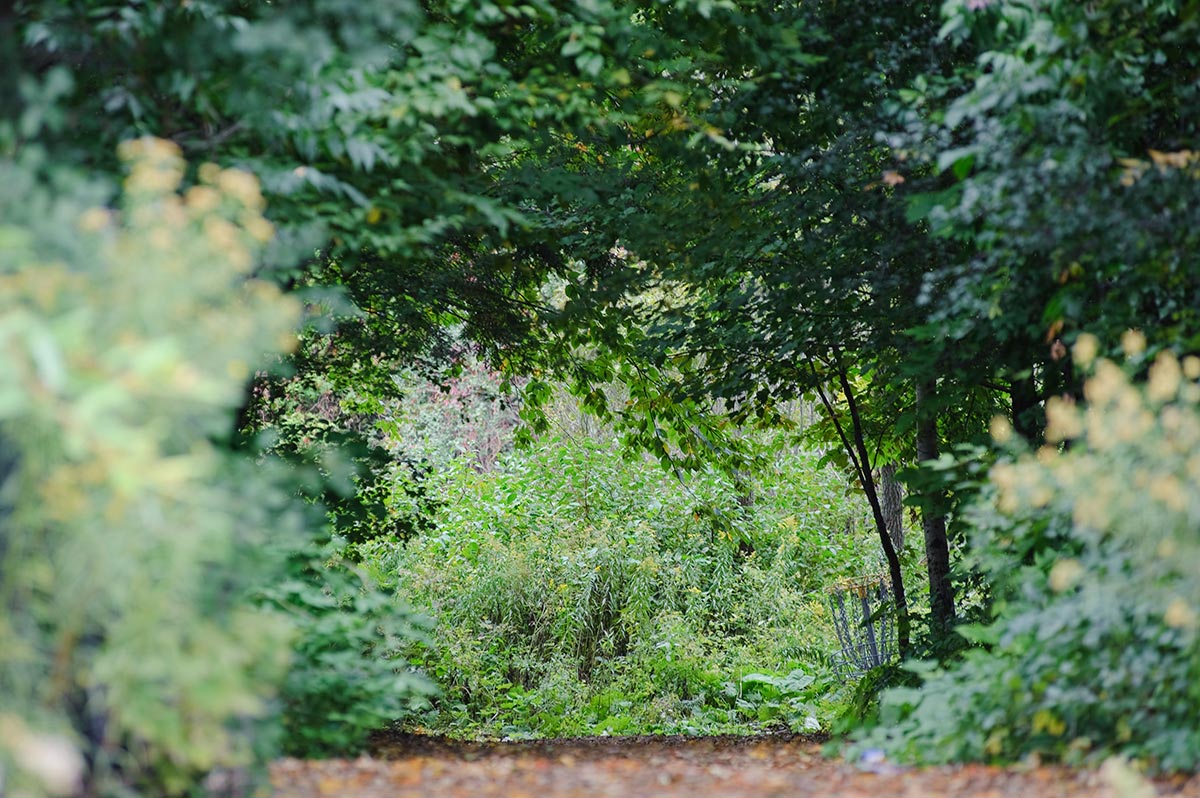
column 933, row 523
column 891, row 497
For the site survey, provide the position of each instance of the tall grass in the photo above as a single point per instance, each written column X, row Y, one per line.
column 576, row 590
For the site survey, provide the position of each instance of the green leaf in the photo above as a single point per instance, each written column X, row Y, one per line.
column 982, row 634
column 590, row 64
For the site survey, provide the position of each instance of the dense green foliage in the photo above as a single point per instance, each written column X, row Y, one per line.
column 1094, row 551
column 1068, row 136
column 577, row 592
column 689, row 214
column 346, row 679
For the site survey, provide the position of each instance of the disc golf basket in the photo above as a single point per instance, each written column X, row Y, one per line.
column 865, row 623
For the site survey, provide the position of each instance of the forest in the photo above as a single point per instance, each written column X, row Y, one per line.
column 544, row 369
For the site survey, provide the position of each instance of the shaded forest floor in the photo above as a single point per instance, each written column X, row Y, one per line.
column 408, row 766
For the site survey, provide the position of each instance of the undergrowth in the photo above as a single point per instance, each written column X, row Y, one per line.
column 1092, row 552
column 576, row 591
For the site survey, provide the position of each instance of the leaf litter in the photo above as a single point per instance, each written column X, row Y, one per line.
column 404, row 765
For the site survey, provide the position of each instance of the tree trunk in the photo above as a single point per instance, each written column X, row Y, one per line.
column 933, row 523
column 856, row 447
column 903, row 625
column 891, row 497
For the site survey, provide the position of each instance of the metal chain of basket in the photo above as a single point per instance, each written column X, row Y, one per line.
column 865, row 624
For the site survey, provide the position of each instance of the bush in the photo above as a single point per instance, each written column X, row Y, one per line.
column 572, row 576
column 347, row 679
column 1094, row 548
column 131, row 655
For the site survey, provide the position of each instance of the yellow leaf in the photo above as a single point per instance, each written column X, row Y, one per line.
column 1045, row 720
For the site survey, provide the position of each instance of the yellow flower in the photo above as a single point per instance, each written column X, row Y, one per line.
column 1193, row 467
column 1173, row 421
column 1165, row 376
column 161, row 238
column 1099, row 436
column 1089, row 514
column 1062, row 420
column 287, row 342
column 237, row 369
column 1045, row 720
column 242, row 186
column 1004, row 476
column 259, row 228
column 1001, row 429
column 1046, row 455
column 1191, row 367
column 1087, row 346
column 152, row 179
column 208, row 172
column 222, row 234
column 1065, row 574
column 1169, row 490
column 1106, row 383
column 1133, row 342
column 93, row 220
column 149, row 148
column 202, row 199
column 1171, row 160
column 1179, row 614
column 1041, row 496
column 1133, row 424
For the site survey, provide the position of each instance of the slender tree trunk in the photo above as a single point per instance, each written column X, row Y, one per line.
column 891, row 496
column 856, row 447
column 933, row 523
column 903, row 623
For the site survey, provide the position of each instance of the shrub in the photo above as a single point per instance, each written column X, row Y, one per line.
column 347, row 679
column 131, row 656
column 1094, row 547
column 571, row 575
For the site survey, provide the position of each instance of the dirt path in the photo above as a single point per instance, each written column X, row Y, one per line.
column 404, row 766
